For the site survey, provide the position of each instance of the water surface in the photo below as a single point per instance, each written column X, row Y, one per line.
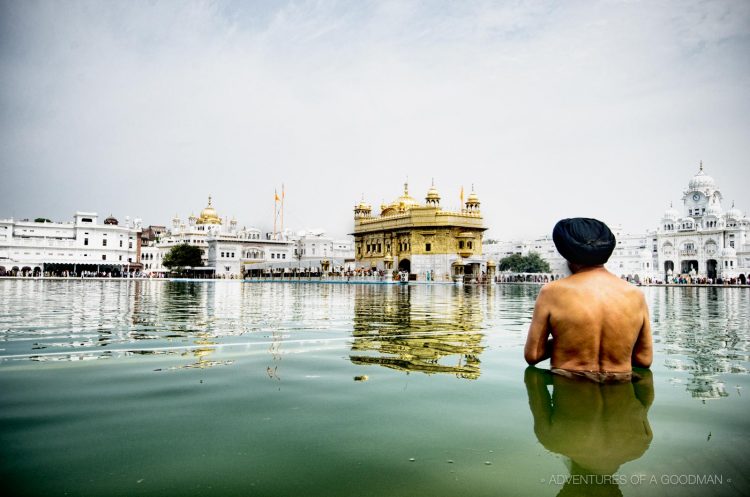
column 225, row 388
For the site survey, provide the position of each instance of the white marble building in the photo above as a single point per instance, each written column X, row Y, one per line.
column 81, row 246
column 632, row 258
column 228, row 250
column 311, row 250
column 703, row 240
column 316, row 244
column 230, row 256
column 198, row 231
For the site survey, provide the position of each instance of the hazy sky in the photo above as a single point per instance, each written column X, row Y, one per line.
column 551, row 109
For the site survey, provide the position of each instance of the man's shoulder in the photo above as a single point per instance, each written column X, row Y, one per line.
column 586, row 282
column 557, row 287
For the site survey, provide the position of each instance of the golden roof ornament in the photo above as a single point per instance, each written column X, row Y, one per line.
column 209, row 215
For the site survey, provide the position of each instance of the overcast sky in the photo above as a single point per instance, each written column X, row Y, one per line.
column 550, row 109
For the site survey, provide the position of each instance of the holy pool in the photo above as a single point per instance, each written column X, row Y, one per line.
column 275, row 389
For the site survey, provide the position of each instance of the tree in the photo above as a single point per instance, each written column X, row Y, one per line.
column 182, row 256
column 531, row 263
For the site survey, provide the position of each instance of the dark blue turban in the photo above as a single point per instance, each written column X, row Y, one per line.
column 584, row 241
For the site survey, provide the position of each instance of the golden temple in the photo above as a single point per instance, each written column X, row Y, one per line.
column 424, row 240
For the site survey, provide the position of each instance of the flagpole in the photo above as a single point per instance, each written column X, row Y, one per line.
column 282, row 209
column 275, row 214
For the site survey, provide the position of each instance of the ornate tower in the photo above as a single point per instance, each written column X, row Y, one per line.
column 700, row 194
column 362, row 210
column 472, row 203
column 433, row 197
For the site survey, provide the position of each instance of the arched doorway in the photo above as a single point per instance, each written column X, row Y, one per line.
column 689, row 265
column 711, row 265
column 404, row 265
column 743, row 279
column 668, row 268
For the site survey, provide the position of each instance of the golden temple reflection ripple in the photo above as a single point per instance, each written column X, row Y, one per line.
column 230, row 388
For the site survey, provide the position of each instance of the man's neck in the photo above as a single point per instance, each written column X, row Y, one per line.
column 576, row 269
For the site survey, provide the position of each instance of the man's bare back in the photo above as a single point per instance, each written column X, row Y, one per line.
column 598, row 323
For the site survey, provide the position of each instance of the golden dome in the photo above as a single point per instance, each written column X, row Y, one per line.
column 404, row 202
column 209, row 215
column 473, row 198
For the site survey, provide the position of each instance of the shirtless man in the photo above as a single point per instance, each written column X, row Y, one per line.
column 599, row 323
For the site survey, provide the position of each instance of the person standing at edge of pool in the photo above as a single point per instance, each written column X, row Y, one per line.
column 599, row 323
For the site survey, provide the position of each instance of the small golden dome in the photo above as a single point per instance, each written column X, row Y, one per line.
column 362, row 206
column 209, row 215
column 432, row 193
column 473, row 198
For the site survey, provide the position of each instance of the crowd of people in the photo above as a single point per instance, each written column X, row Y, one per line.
column 381, row 275
column 525, row 278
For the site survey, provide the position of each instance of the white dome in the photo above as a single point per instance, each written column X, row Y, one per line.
column 701, row 181
column 734, row 213
column 671, row 214
column 713, row 210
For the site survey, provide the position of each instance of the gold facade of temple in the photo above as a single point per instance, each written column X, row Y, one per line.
column 422, row 239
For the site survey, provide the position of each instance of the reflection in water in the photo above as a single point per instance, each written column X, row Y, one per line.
column 202, row 361
column 598, row 427
column 410, row 330
column 704, row 332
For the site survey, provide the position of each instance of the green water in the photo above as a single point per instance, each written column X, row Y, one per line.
column 225, row 388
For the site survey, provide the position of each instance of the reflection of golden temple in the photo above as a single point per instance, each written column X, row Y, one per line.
column 397, row 330
column 423, row 353
column 202, row 354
